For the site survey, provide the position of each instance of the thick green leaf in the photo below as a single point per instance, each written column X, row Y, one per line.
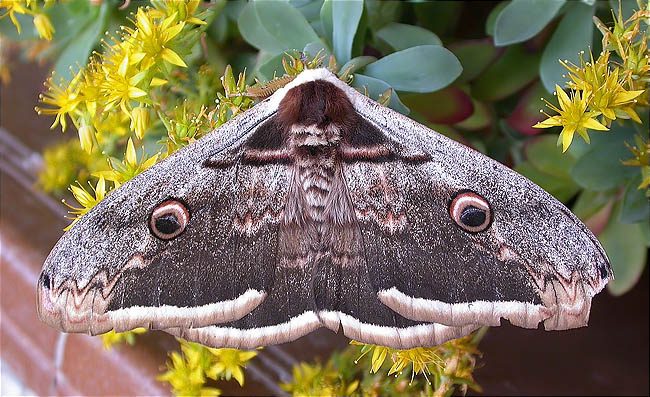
column 310, row 9
column 544, row 154
column 402, row 36
column 514, row 70
column 317, row 47
column 27, row 29
column 626, row 248
column 275, row 26
column 326, row 21
column 589, row 203
column 75, row 54
column 481, row 118
column 345, row 20
column 492, row 18
column 574, row 34
column 645, row 231
column 440, row 17
column 270, row 66
column 526, row 113
column 522, row 19
column 636, row 206
column 375, row 88
column 355, row 64
column 382, row 12
column 627, row 6
column 475, row 56
column 561, row 189
column 600, row 168
column 447, row 106
column 424, row 68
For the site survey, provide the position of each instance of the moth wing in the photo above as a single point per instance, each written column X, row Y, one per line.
column 537, row 262
column 218, row 270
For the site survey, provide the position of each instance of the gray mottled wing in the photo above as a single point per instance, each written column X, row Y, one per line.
column 110, row 272
column 536, row 262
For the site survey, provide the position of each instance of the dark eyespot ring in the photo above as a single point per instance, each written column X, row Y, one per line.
column 169, row 219
column 470, row 211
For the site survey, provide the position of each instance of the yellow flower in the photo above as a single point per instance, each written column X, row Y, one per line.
column 186, row 372
column 86, row 199
column 184, row 10
column 129, row 167
column 151, row 40
column 120, row 88
column 112, row 338
column 229, row 364
column 64, row 97
column 14, row 7
column 43, row 26
column 86, row 137
column 139, row 121
column 419, row 358
column 573, row 117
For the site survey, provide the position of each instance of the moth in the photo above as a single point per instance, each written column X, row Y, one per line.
column 319, row 207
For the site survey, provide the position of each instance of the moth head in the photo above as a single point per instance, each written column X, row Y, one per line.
column 315, row 113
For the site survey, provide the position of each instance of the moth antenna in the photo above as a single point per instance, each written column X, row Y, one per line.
column 265, row 90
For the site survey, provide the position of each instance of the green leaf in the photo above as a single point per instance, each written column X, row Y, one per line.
column 627, row 6
column 481, row 118
column 590, row 202
column 75, row 54
column 492, row 18
column 635, row 207
column 424, row 68
column 401, row 36
column 574, row 34
column 475, row 56
column 326, row 20
column 561, row 189
column 27, row 29
column 355, row 64
column 270, row 67
column 526, row 113
column 544, row 154
column 275, row 26
column 447, row 106
column 317, row 48
column 520, row 66
column 310, row 9
column 345, row 20
column 440, row 17
column 375, row 88
column 626, row 248
column 381, row 12
column 600, row 168
column 522, row 19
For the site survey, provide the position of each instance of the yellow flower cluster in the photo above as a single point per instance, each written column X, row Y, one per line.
column 448, row 363
column 444, row 369
column 126, row 74
column 604, row 90
column 28, row 7
column 112, row 338
column 188, row 371
column 115, row 102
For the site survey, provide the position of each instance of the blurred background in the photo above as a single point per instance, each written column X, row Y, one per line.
column 475, row 71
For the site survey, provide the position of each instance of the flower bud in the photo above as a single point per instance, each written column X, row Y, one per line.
column 140, row 119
